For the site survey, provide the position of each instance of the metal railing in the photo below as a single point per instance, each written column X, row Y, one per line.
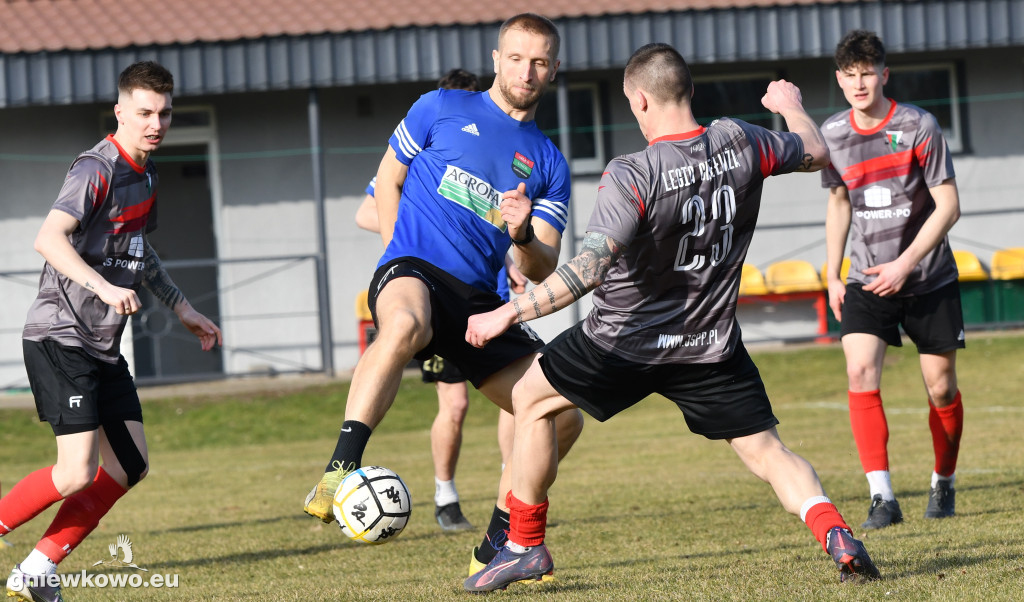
column 268, row 308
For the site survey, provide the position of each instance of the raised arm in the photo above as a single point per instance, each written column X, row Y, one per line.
column 571, row 281
column 785, row 99
column 53, row 244
column 156, row 280
column 535, row 243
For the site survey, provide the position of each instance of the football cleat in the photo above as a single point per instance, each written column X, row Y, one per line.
column 850, row 556
column 320, row 501
column 882, row 513
column 475, row 566
column 941, row 501
column 33, row 588
column 451, row 519
column 509, row 567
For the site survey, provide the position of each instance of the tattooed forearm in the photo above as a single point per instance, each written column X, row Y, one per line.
column 519, row 310
column 598, row 255
column 806, row 162
column 551, row 296
column 571, row 280
column 89, row 285
column 155, row 278
column 536, row 306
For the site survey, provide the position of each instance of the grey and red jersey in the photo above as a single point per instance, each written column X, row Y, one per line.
column 685, row 209
column 114, row 210
column 888, row 171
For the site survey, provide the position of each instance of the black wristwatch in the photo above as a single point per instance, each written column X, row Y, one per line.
column 528, row 239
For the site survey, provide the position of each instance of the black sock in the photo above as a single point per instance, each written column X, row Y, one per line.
column 495, row 538
column 352, row 442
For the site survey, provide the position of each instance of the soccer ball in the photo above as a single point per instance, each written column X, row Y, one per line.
column 372, row 505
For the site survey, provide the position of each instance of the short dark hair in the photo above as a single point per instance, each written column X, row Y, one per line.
column 533, row 23
column 859, row 47
column 145, row 75
column 661, row 71
column 459, row 79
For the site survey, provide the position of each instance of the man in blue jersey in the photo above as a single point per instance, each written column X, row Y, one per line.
column 466, row 176
column 452, row 392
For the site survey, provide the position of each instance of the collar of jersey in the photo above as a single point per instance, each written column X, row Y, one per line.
column 877, row 128
column 138, row 168
column 683, row 136
column 493, row 106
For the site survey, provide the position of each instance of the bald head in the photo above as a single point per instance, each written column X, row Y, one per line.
column 660, row 71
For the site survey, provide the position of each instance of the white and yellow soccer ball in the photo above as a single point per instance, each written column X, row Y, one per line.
column 372, row 505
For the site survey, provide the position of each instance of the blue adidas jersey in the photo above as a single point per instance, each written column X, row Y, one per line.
column 463, row 153
column 503, row 289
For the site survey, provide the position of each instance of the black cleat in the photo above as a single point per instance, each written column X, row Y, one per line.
column 882, row 513
column 941, row 501
column 450, row 518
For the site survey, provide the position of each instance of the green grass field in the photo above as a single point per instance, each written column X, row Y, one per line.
column 642, row 509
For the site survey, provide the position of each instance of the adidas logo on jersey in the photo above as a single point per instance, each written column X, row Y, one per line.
column 471, row 128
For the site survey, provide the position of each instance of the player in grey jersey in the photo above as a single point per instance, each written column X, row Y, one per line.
column 892, row 191
column 97, row 255
column 664, row 249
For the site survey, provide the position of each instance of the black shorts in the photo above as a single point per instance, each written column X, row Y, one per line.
column 76, row 392
column 436, row 370
column 451, row 303
column 933, row 320
column 720, row 401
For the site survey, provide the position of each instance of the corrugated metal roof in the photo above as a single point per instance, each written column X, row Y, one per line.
column 420, row 53
column 53, row 25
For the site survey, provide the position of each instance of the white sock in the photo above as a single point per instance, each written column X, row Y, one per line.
column 936, row 477
column 878, row 481
column 444, row 492
column 518, row 549
column 38, row 563
column 810, row 503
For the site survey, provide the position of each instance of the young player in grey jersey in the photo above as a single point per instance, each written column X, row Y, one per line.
column 892, row 192
column 664, row 248
column 97, row 255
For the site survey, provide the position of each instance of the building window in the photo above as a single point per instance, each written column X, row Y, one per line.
column 585, row 123
column 737, row 96
column 934, row 88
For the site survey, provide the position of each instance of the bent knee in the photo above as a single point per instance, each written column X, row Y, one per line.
column 405, row 330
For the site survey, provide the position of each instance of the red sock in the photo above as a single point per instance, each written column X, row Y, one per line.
column 870, row 430
column 29, row 497
column 820, row 519
column 946, row 425
column 527, row 521
column 79, row 515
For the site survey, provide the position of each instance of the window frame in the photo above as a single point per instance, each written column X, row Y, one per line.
column 954, row 134
column 597, row 163
column 777, row 123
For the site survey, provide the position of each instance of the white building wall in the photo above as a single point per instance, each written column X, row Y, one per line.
column 267, row 207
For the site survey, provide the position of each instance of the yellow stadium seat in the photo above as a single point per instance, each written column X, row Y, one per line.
column 792, row 276
column 1008, row 264
column 844, row 270
column 969, row 267
column 362, row 309
column 751, row 281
